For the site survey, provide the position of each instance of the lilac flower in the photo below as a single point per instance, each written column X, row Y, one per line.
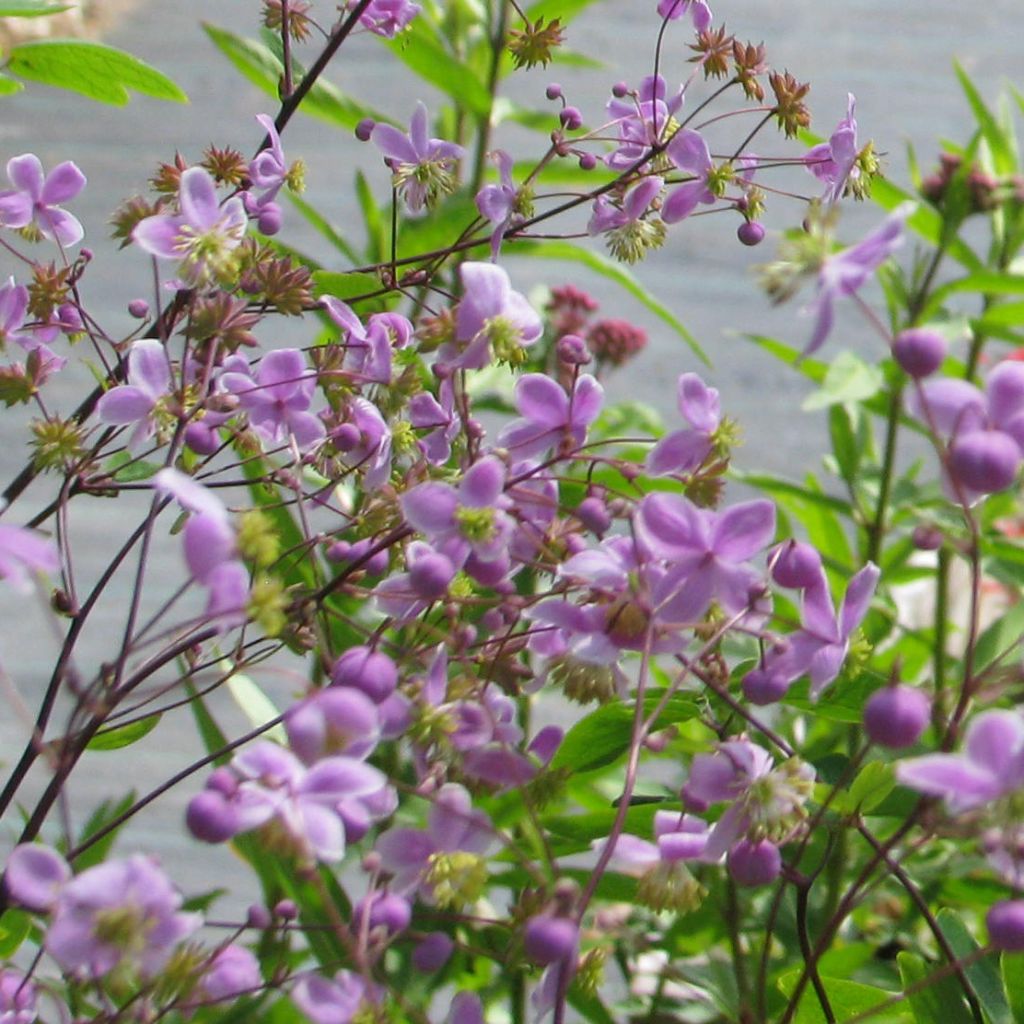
column 698, row 10
column 473, row 514
column 268, row 170
column 991, row 766
column 13, row 310
column 444, row 862
column 844, row 273
column 24, row 552
column 403, row 596
column 550, row 417
column 685, row 450
column 334, row 720
column 628, row 233
column 368, row 349
column 34, row 198
column 334, row 1001
column 210, row 548
column 232, row 972
column 371, row 449
column 641, row 121
column 820, row 647
column 277, row 398
column 427, row 413
column 203, row 237
column 422, row 168
column 388, row 17
column 835, row 162
column 690, row 153
column 500, row 203
column 122, row 913
column 491, row 319
column 144, row 399
column 707, row 553
column 300, row 809
column 766, row 802
column 17, row 998
column 665, row 881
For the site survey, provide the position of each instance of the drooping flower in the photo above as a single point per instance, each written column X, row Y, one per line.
column 202, row 237
column 268, row 170
column 835, row 162
column 845, row 273
column 13, row 328
column 683, row 451
column 628, row 232
column 35, row 197
column 438, row 416
column 641, row 121
column 698, row 10
column 422, row 168
column 24, row 552
column 689, row 152
column 370, row 448
column 549, row 415
column 492, row 320
column 502, row 204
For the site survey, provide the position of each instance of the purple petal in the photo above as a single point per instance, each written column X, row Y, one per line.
column 483, row 483
column 324, row 831
column 743, row 530
column 633, row 853
column 160, row 236
column 683, row 200
column 1005, row 390
column 960, row 782
column 824, row 667
column 486, row 290
column 671, row 525
column 228, row 594
column 587, row 400
column 430, row 508
column 26, row 174
column 689, row 151
column 64, row 182
column 335, row 778
column 197, row 197
column 823, row 310
column 209, row 541
column 818, row 613
column 680, row 452
column 641, row 196
column 726, row 831
column 16, row 209
column 35, row 875
column 698, row 404
column 148, row 368
column 683, row 594
column 542, row 400
column 858, row 598
column 394, row 144
column 188, row 492
column 60, row 225
column 418, row 132
column 466, row 1009
column 124, row 404
column 995, row 741
column 948, row 404
column 282, row 371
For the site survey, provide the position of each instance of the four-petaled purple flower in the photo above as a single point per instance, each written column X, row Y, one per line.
column 144, row 399
column 640, row 121
column 35, row 196
column 202, row 237
column 422, row 167
column 549, row 415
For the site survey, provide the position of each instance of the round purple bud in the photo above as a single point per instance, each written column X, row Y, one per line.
column 345, row 437
column 270, row 218
column 927, row 538
column 487, row 574
column 1005, row 921
column 572, row 349
column 365, row 129
column 211, row 818
column 432, row 953
column 795, row 564
column 286, row 910
column 370, row 671
column 257, row 916
column 138, row 308
column 919, row 351
column 430, row 576
column 201, row 439
column 587, row 161
column 761, row 687
column 339, row 551
column 549, row 940
column 619, row 90
column 754, row 863
column 593, row 513
column 571, row 118
column 985, row 460
column 750, row 232
column 553, row 91
column 385, row 910
column 377, row 563
column 222, row 780
column 895, row 716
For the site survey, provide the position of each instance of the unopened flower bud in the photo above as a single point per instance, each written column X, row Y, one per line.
column 795, row 564
column 370, row 671
column 985, row 460
column 754, row 863
column 919, row 351
column 201, row 438
column 377, row 563
column 138, row 308
column 270, row 218
column 549, row 940
column 385, row 910
column 222, row 780
column 571, row 118
column 365, row 128
column 895, row 716
column 750, row 232
column 593, row 513
column 345, row 437
column 927, row 537
column 286, row 910
column 553, row 91
column 572, row 349
column 619, row 90
column 587, row 161
column 432, row 953
column 430, row 576
column 1005, row 922
column 339, row 551
column 211, row 818
column 761, row 687
column 258, row 916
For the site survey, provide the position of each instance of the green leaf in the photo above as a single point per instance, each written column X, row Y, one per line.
column 987, row 282
column 107, row 812
column 941, row 1001
column 1002, row 153
column 1001, row 639
column 1011, row 967
column 8, row 86
column 258, row 64
column 100, row 72
column 875, row 781
column 418, row 50
column 30, row 8
column 848, row 379
column 345, row 286
column 563, row 10
column 1009, row 314
column 14, row 928
column 846, row 445
column 983, row 974
column 848, row 999
column 123, row 735
column 257, row 707
column 812, row 369
column 126, row 469
column 567, row 252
